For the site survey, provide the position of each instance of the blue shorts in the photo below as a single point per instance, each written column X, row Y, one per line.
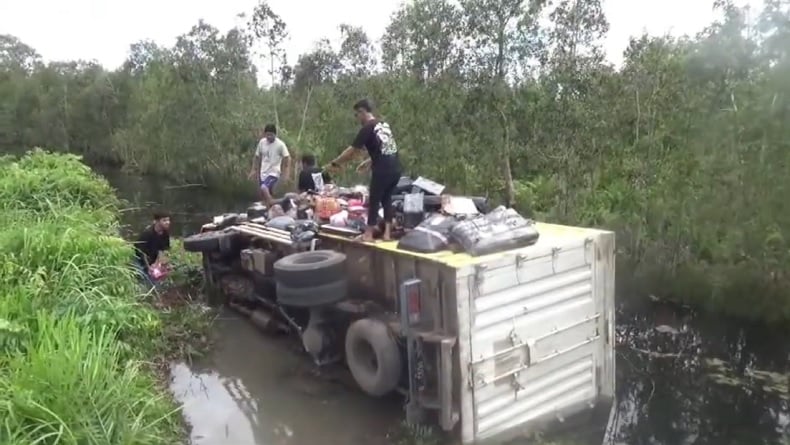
column 269, row 182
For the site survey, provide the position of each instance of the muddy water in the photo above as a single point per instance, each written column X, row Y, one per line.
column 683, row 378
column 257, row 390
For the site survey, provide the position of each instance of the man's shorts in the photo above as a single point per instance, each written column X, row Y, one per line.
column 269, row 182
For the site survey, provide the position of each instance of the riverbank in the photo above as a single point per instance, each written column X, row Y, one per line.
column 80, row 345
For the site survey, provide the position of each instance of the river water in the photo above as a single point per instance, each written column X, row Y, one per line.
column 683, row 378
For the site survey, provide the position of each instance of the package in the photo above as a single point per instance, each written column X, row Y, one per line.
column 413, row 210
column 339, row 219
column 325, row 207
column 502, row 229
column 304, row 231
column 432, row 235
column 276, row 211
column 434, row 188
column 459, row 205
column 405, row 184
column 281, row 222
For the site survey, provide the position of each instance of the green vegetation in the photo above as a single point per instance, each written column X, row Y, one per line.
column 683, row 148
column 75, row 331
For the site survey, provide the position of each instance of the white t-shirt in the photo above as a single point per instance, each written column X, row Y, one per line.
column 272, row 155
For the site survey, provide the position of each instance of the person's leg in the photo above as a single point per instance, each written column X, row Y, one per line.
column 267, row 189
column 386, row 204
column 375, row 193
column 143, row 276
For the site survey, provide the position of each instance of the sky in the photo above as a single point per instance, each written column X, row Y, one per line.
column 102, row 30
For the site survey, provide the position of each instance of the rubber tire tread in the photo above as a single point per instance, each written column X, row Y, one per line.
column 205, row 242
column 388, row 357
column 307, row 297
column 308, row 275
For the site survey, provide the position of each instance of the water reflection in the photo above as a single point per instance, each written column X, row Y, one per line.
column 257, row 392
column 670, row 391
column 191, row 205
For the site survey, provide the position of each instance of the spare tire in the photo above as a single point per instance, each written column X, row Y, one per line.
column 310, row 269
column 207, row 242
column 314, row 296
column 373, row 356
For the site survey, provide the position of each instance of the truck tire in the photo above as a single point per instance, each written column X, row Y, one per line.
column 310, row 269
column 373, row 356
column 306, row 297
column 207, row 242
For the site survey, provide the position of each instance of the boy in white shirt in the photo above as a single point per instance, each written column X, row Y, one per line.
column 271, row 160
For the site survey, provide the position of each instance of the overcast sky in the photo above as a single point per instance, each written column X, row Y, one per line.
column 102, row 30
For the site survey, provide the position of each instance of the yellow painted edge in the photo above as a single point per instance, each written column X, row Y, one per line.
column 460, row 260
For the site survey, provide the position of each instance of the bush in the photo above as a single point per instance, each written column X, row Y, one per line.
column 73, row 325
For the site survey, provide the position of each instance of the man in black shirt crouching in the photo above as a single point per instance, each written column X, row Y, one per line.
column 150, row 245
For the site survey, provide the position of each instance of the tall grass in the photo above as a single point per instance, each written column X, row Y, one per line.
column 73, row 325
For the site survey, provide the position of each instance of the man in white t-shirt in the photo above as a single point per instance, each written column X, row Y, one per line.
column 271, row 160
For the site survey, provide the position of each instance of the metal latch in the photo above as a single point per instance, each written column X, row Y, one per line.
column 587, row 243
column 480, row 271
column 521, row 258
column 555, row 252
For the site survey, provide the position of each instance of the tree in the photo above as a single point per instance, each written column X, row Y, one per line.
column 356, row 54
column 423, row 39
column 270, row 28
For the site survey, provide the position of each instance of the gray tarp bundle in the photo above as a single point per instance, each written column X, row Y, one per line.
column 431, row 235
column 501, row 229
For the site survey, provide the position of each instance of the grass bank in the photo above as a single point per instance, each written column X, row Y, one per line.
column 77, row 336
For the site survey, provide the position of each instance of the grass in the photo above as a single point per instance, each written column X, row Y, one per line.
column 77, row 334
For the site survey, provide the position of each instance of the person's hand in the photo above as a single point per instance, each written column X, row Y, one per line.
column 363, row 166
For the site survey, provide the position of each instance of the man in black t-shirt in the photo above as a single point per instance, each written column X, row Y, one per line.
column 153, row 240
column 376, row 138
column 310, row 174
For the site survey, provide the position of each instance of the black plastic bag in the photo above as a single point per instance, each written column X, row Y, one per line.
column 432, row 235
column 404, row 185
column 502, row 229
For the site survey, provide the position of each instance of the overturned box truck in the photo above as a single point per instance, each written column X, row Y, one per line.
column 487, row 348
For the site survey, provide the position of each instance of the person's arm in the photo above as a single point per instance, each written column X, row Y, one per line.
column 363, row 166
column 285, row 165
column 354, row 149
column 255, row 171
column 162, row 255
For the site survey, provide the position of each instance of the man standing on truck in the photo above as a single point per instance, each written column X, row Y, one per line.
column 271, row 160
column 150, row 246
column 375, row 136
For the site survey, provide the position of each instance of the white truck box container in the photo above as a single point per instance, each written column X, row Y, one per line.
column 513, row 339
